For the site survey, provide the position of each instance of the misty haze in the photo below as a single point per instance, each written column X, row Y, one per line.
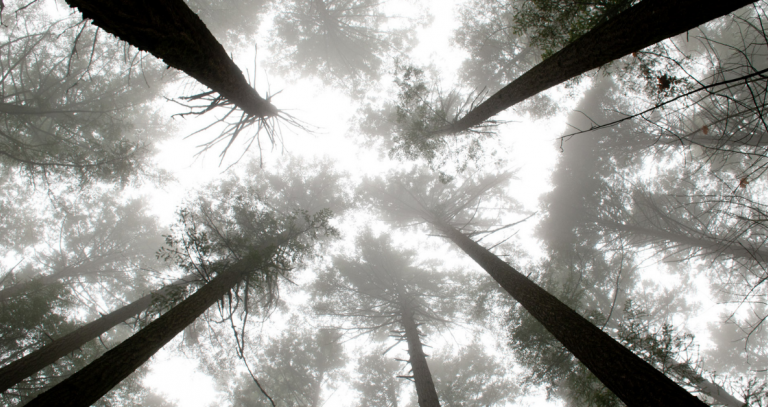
column 460, row 203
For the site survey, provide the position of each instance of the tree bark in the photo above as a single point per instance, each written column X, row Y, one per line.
column 638, row 27
column 91, row 383
column 425, row 386
column 20, row 369
column 632, row 379
column 169, row 30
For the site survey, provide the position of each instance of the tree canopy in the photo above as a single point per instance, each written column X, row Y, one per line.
column 430, row 203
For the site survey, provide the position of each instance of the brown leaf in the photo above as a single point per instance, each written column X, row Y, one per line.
column 743, row 182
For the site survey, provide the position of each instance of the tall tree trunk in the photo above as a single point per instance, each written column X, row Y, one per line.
column 20, row 369
column 717, row 392
column 425, row 387
column 169, row 30
column 23, row 287
column 734, row 248
column 632, row 379
column 319, row 390
column 85, row 387
column 640, row 26
column 65, row 272
column 712, row 389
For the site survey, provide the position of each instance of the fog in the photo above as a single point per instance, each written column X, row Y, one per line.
column 399, row 203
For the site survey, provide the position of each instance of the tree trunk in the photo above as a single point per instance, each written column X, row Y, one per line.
column 23, row 287
column 92, row 382
column 736, row 249
column 425, row 387
column 632, row 379
column 169, row 30
column 638, row 27
column 81, row 270
column 20, row 369
column 715, row 391
column 718, row 393
column 319, row 390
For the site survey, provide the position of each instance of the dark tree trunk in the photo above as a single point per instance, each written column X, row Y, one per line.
column 633, row 380
column 169, row 30
column 634, row 29
column 18, row 370
column 425, row 387
column 92, row 382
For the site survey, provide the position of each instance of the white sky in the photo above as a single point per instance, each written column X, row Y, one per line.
column 528, row 145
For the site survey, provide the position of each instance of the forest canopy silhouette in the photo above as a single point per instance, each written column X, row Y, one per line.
column 394, row 203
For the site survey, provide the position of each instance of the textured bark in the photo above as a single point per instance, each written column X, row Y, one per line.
column 20, row 369
column 640, row 26
column 632, row 379
column 91, row 383
column 169, row 30
column 425, row 387
column 736, row 249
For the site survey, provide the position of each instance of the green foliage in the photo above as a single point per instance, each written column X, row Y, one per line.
column 20, row 221
column 497, row 53
column 422, row 196
column 29, row 320
column 129, row 392
column 343, row 42
column 234, row 23
column 552, row 366
column 294, row 369
column 662, row 346
column 90, row 238
column 550, row 25
column 258, row 218
column 208, row 243
column 548, row 362
column 370, row 290
column 377, row 383
column 72, row 100
column 422, row 111
column 471, row 378
column 506, row 38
